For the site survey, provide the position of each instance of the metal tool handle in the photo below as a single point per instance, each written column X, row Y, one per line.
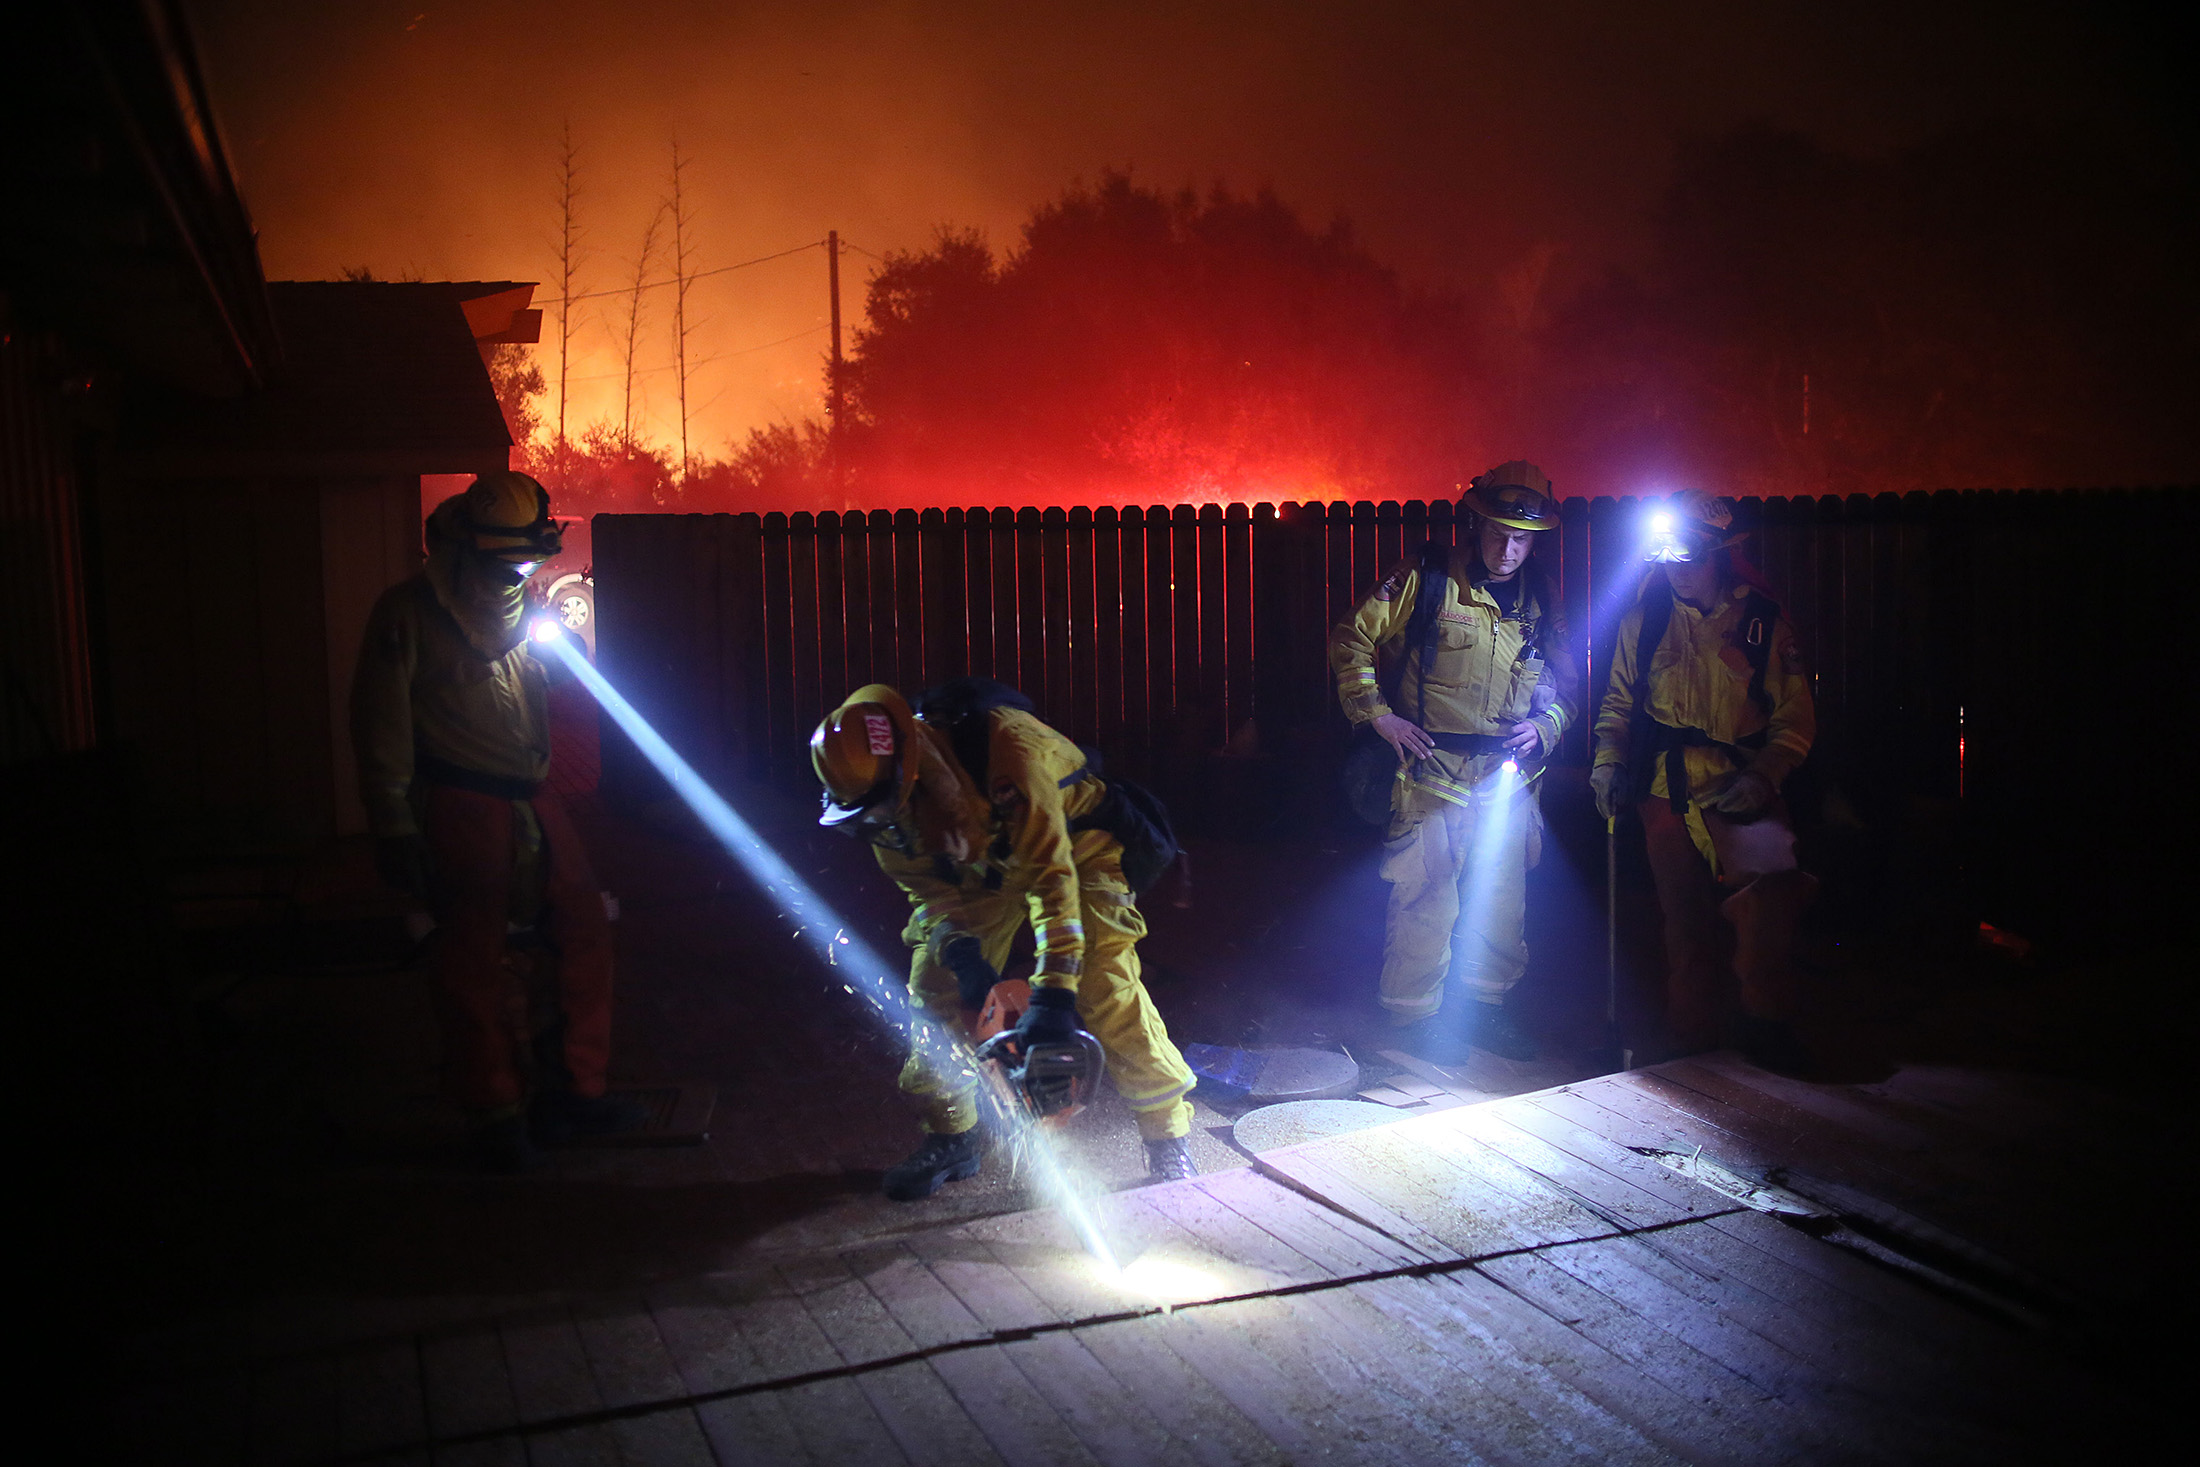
column 1611, row 939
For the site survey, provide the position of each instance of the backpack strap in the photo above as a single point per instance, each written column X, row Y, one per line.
column 1643, row 742
column 1535, row 594
column 962, row 707
column 1755, row 633
column 1428, row 603
column 1657, row 615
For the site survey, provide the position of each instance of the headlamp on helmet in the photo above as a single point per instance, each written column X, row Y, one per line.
column 1687, row 527
column 506, row 517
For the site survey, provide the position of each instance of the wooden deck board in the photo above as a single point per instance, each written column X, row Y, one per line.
column 1624, row 1187
column 466, row 1385
column 1269, row 1356
column 1509, row 1407
column 1136, row 1355
column 751, row 1431
column 294, row 1411
column 1113, row 1422
column 1434, row 1189
column 378, row 1397
column 2018, row 1224
column 692, row 1320
column 1647, row 1109
column 626, row 1355
column 1505, row 1282
column 1106, row 1419
column 1700, row 1359
column 496, row 1452
column 1005, row 1407
column 1312, row 1400
column 1668, row 1406
column 580, row 1446
column 836, row 1422
column 1319, row 1233
column 926, row 1424
column 1015, row 1418
column 1203, row 1423
column 548, row 1366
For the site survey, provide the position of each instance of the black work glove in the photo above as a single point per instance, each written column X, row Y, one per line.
column 402, row 862
column 1051, row 1019
column 1606, row 782
column 964, row 956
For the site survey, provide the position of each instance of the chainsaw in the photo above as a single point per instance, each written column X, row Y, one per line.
column 1036, row 1085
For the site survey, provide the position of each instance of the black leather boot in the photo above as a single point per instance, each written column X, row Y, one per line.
column 940, row 1160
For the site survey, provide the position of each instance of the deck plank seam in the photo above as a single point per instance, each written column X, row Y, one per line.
column 1429, row 1268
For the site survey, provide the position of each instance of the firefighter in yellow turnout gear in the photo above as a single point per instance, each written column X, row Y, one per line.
column 1697, row 743
column 1490, row 683
column 978, row 857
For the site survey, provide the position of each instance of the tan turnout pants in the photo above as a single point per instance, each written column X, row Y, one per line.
column 1761, row 906
column 1143, row 1063
column 1458, row 879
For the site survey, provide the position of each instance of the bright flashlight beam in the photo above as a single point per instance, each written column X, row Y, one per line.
column 815, row 922
column 1487, row 859
column 864, row 973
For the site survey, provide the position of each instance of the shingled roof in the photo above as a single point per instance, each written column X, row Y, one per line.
column 375, row 377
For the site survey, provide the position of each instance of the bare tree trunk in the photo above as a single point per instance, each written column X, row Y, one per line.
column 682, row 276
column 569, row 247
column 642, row 262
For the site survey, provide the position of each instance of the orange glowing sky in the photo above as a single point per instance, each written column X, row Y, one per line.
column 1467, row 141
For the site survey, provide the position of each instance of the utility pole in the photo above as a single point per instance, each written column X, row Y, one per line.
column 832, row 384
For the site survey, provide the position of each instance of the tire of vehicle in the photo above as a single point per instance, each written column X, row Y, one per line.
column 573, row 601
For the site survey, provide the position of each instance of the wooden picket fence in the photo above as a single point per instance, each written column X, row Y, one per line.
column 1957, row 639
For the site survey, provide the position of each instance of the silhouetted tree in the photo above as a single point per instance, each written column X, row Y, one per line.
column 643, row 259
column 604, row 472
column 518, row 381
column 1143, row 346
column 1996, row 308
column 569, row 246
column 784, row 466
column 682, row 215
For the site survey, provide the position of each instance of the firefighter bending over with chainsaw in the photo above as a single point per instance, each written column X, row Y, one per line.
column 450, row 719
column 987, row 818
column 1482, row 678
column 1708, row 709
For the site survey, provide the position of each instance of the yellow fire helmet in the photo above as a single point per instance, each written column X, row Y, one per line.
column 864, row 754
column 1689, row 524
column 508, row 516
column 1516, row 495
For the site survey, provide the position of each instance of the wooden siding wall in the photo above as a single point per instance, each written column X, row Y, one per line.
column 47, row 703
column 1933, row 624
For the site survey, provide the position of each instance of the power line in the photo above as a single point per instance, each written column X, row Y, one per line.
column 767, row 346
column 589, row 295
column 859, row 249
column 741, row 351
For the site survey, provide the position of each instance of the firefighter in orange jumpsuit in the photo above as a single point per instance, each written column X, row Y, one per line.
column 1708, row 709
column 450, row 721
